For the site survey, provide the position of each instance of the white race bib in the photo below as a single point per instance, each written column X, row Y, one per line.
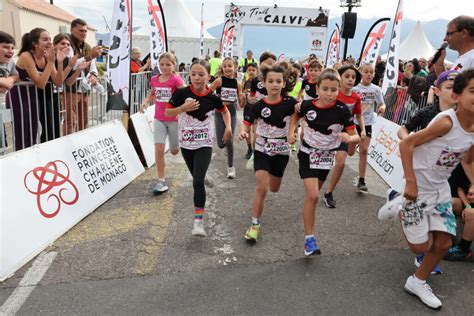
column 321, row 159
column 162, row 94
column 228, row 94
column 277, row 146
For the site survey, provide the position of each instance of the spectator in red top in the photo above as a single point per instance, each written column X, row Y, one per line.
column 136, row 64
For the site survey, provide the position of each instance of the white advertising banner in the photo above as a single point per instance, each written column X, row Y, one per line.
column 317, row 38
column 48, row 188
column 373, row 42
column 384, row 153
column 145, row 137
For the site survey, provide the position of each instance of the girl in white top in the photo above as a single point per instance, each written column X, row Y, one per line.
column 428, row 157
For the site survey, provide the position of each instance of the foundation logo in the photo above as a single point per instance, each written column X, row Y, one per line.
column 52, row 187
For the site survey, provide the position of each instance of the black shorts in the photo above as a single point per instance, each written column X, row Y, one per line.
column 275, row 165
column 307, row 172
column 343, row 147
column 368, row 130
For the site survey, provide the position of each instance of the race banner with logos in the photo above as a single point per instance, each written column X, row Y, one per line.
column 118, row 68
column 226, row 40
column 332, row 55
column 373, row 41
column 316, row 19
column 384, row 153
column 389, row 85
column 158, row 36
column 49, row 188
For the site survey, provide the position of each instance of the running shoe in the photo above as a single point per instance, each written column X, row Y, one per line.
column 231, row 173
column 419, row 259
column 311, row 247
column 423, row 291
column 198, row 229
column 329, row 200
column 362, row 187
column 160, row 187
column 455, row 253
column 392, row 207
column 248, row 154
column 252, row 233
column 249, row 164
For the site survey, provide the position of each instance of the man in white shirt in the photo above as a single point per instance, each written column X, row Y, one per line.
column 460, row 37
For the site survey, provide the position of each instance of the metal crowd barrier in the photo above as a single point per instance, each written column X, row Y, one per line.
column 30, row 116
column 402, row 107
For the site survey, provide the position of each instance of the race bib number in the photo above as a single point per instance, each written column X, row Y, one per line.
column 228, row 94
column 195, row 136
column 321, row 159
column 277, row 146
column 162, row 94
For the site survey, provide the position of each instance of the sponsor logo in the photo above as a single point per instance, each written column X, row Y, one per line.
column 311, row 115
column 266, row 112
column 52, row 187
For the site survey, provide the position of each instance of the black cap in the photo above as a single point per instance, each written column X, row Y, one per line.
column 343, row 69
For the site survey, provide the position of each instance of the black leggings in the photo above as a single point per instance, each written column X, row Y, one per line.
column 220, row 128
column 198, row 161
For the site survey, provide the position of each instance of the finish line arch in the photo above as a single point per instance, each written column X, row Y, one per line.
column 239, row 16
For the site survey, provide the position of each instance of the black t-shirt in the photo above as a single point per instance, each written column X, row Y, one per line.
column 458, row 179
column 323, row 125
column 228, row 92
column 422, row 118
column 273, row 121
column 257, row 89
column 207, row 102
column 309, row 90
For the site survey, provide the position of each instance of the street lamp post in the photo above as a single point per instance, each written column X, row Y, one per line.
column 348, row 21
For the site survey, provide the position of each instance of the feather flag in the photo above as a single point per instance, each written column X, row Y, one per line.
column 227, row 40
column 390, row 79
column 201, row 42
column 158, row 36
column 373, row 41
column 118, row 66
column 332, row 55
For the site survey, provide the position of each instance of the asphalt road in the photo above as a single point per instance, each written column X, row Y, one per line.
column 136, row 255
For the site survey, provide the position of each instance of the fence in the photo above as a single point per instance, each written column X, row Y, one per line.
column 402, row 107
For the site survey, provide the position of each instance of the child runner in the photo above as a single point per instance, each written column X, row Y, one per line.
column 350, row 77
column 162, row 88
column 195, row 104
column 325, row 120
column 230, row 92
column 251, row 73
column 272, row 150
column 445, row 100
column 429, row 157
column 371, row 96
column 308, row 87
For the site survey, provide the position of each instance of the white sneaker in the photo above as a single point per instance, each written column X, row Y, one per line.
column 230, row 172
column 198, row 229
column 423, row 291
column 391, row 208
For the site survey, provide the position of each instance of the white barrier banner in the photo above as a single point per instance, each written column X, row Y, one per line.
column 48, row 188
column 384, row 153
column 145, row 137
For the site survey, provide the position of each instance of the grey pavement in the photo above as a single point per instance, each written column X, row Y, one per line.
column 136, row 255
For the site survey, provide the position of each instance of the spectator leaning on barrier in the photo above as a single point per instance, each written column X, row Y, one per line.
column 460, row 37
column 8, row 77
column 76, row 96
column 136, row 64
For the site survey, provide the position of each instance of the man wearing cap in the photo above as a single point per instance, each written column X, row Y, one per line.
column 246, row 61
column 460, row 37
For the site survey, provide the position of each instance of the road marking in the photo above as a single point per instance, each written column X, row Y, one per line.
column 27, row 285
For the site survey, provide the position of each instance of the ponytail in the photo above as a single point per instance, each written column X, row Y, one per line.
column 29, row 39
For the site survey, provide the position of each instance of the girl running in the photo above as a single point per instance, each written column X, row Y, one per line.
column 195, row 104
column 272, row 150
column 251, row 73
column 371, row 97
column 162, row 88
column 230, row 92
column 429, row 157
column 325, row 120
column 350, row 77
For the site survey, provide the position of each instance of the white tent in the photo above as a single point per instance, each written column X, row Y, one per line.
column 416, row 45
column 184, row 32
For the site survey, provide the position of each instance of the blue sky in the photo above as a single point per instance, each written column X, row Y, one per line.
column 93, row 11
